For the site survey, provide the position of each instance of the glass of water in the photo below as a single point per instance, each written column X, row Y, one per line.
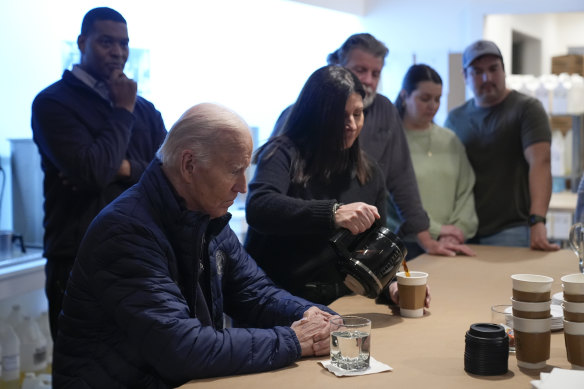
column 350, row 342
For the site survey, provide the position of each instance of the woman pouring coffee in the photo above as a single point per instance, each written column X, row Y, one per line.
column 311, row 180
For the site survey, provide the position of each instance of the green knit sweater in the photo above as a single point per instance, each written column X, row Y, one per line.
column 445, row 179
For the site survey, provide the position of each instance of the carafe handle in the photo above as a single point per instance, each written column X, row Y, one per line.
column 339, row 243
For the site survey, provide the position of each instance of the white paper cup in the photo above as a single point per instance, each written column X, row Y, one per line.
column 573, row 311
column 412, row 293
column 531, row 287
column 532, row 341
column 573, row 328
column 529, row 310
column 574, row 340
column 573, row 307
column 573, row 285
column 532, row 325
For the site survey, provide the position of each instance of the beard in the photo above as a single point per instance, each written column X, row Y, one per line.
column 490, row 93
column 369, row 96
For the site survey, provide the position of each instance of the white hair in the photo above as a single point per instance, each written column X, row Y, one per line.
column 200, row 129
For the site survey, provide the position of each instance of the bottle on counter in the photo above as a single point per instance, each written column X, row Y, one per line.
column 10, row 342
column 558, row 166
column 43, row 323
column 30, row 381
column 14, row 318
column 33, row 348
column 45, row 381
column 33, row 381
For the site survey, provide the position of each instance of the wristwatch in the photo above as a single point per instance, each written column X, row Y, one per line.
column 534, row 219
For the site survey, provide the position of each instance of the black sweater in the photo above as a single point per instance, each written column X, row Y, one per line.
column 290, row 225
column 383, row 139
column 83, row 139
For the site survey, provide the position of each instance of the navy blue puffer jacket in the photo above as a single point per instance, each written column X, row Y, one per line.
column 137, row 313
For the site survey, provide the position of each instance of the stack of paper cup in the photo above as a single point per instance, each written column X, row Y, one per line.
column 573, row 305
column 532, row 319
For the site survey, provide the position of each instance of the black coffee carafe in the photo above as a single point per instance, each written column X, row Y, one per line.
column 370, row 260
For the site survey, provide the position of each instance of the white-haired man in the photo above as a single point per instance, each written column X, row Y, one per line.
column 159, row 266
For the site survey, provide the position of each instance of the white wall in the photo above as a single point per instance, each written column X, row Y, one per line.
column 431, row 29
column 356, row 7
column 557, row 33
column 252, row 56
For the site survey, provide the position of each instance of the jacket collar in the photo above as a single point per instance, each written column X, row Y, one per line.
column 164, row 196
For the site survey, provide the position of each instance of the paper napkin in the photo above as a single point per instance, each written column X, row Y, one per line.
column 560, row 379
column 374, row 367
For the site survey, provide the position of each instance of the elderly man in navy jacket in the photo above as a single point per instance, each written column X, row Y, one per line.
column 159, row 266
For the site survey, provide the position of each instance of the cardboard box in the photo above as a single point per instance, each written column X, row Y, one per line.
column 570, row 64
column 562, row 123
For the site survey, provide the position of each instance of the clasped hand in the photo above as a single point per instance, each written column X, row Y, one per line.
column 313, row 332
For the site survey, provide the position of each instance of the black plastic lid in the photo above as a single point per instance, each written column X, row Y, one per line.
column 486, row 349
column 487, row 330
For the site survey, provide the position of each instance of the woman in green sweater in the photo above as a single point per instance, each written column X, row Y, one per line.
column 445, row 177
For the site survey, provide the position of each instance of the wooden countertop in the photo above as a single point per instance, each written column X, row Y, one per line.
column 428, row 352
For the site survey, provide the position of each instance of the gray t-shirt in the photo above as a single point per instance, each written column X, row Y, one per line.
column 495, row 139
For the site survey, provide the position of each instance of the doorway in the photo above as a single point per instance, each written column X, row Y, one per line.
column 526, row 56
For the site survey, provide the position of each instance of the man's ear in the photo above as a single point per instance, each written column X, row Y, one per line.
column 81, row 41
column 187, row 165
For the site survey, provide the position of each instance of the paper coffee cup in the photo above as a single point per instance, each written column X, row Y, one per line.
column 531, row 287
column 573, row 285
column 532, row 341
column 574, row 339
column 412, row 293
column 573, row 311
column 527, row 310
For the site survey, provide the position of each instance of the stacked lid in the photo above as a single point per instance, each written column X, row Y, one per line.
column 486, row 349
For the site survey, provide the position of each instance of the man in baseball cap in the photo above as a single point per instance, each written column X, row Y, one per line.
column 507, row 138
column 478, row 49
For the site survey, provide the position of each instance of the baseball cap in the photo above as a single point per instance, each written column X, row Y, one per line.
column 478, row 49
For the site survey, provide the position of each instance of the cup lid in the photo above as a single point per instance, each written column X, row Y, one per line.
column 487, row 330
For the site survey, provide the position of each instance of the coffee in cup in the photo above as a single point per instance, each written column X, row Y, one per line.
column 412, row 293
